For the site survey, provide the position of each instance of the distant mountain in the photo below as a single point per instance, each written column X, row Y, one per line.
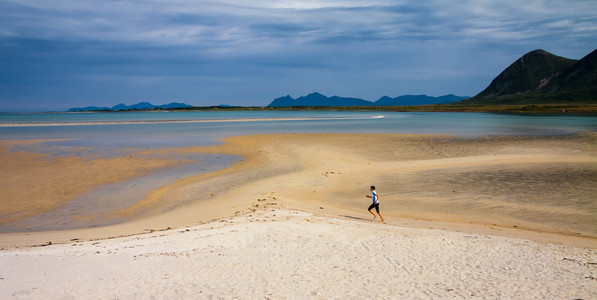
column 88, row 108
column 408, row 100
column 317, row 99
column 541, row 77
column 122, row 106
column 173, row 105
column 138, row 106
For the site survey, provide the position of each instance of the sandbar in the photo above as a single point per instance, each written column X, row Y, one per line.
column 540, row 188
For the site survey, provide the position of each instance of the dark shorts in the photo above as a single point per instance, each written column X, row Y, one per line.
column 374, row 205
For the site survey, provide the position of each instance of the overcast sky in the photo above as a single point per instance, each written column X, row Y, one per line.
column 59, row 54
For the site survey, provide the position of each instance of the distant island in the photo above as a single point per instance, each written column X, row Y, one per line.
column 311, row 100
column 317, row 99
column 123, row 107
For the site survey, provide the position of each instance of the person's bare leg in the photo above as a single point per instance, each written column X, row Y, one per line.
column 374, row 216
column 380, row 216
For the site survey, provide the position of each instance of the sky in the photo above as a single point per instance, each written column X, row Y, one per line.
column 60, row 54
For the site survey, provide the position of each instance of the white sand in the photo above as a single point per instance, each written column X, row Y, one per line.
column 286, row 254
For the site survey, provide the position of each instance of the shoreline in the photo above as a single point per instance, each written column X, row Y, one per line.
column 328, row 175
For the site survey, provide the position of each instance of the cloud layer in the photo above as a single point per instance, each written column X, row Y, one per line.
column 59, row 54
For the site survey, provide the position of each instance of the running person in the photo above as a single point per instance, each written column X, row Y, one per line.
column 375, row 203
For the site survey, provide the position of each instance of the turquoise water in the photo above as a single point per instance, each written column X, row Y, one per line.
column 178, row 129
column 104, row 133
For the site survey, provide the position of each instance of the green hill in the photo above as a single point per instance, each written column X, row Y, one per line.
column 540, row 77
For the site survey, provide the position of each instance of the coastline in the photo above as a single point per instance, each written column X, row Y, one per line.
column 328, row 175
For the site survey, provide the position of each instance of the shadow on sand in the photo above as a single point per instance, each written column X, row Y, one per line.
column 356, row 218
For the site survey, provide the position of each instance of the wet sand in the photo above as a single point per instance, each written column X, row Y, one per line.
column 34, row 182
column 494, row 217
column 537, row 187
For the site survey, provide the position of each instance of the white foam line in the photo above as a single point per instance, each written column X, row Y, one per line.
column 165, row 122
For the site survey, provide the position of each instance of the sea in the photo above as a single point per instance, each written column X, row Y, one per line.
column 193, row 128
column 105, row 133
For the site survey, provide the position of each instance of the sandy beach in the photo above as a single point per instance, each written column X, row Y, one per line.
column 492, row 217
column 275, row 253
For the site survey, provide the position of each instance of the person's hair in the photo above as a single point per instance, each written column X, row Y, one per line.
column 373, row 187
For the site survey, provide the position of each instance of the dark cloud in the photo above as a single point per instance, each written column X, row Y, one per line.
column 58, row 54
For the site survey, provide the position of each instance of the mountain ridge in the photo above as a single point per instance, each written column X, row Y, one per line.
column 537, row 77
column 540, row 77
column 122, row 106
column 317, row 99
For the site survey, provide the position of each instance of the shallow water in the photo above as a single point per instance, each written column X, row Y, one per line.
column 150, row 128
column 97, row 207
column 106, row 134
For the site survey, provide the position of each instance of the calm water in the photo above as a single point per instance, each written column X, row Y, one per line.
column 163, row 129
column 105, row 132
